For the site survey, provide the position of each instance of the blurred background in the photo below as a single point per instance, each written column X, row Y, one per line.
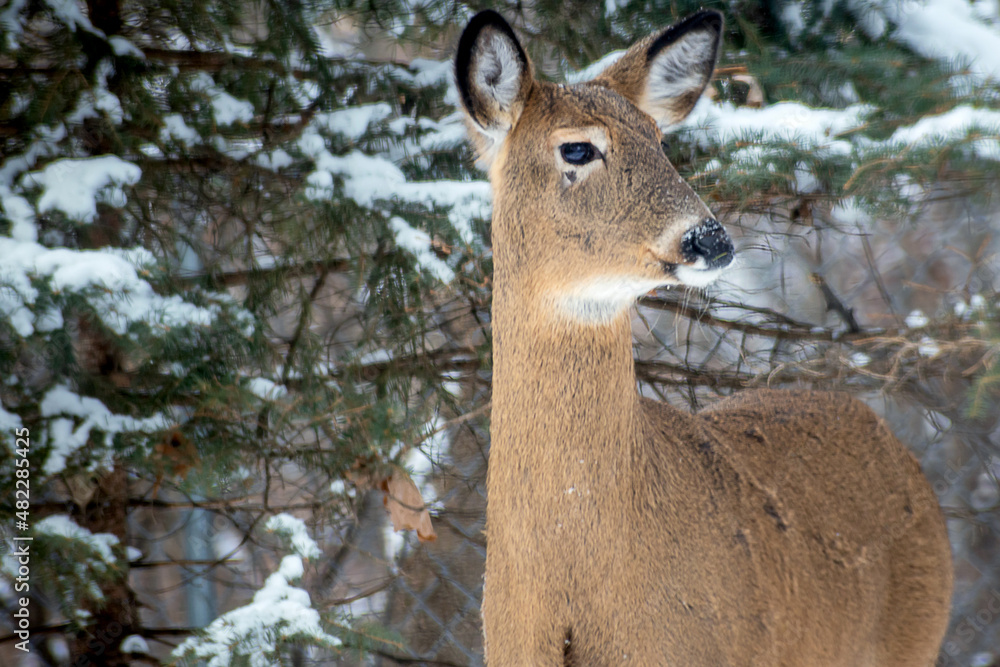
column 245, row 280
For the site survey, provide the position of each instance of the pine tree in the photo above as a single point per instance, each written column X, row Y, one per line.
column 206, row 278
column 238, row 256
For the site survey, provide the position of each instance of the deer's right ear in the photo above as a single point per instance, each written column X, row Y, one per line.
column 493, row 76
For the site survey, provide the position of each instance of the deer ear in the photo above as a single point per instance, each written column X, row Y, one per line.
column 493, row 76
column 666, row 73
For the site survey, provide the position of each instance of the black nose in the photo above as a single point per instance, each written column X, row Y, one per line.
column 709, row 242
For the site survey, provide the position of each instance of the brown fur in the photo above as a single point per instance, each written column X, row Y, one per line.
column 775, row 528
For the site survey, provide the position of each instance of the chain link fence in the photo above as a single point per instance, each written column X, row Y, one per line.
column 880, row 275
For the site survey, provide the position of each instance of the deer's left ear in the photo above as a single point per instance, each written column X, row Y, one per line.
column 666, row 73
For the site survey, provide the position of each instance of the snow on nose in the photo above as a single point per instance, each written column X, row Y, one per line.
column 707, row 245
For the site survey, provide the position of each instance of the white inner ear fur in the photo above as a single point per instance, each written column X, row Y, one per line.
column 677, row 70
column 496, row 76
column 575, row 173
column 498, row 70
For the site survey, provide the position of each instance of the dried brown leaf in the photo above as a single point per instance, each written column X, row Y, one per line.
column 406, row 506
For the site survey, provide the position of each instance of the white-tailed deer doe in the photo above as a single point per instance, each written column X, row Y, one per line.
column 775, row 528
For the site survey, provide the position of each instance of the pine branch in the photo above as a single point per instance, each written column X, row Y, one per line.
column 217, row 61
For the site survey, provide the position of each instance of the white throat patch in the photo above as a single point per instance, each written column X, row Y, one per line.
column 599, row 300
column 698, row 275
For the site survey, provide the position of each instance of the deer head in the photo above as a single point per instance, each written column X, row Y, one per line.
column 589, row 213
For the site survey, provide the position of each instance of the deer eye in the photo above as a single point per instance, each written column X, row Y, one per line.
column 579, row 153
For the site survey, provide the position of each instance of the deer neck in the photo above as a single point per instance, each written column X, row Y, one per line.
column 565, row 407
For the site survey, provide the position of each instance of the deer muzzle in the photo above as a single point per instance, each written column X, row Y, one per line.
column 707, row 245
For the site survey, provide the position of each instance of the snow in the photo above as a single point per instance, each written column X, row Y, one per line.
column 858, row 360
column 353, row 122
column 375, row 357
column 61, row 525
column 92, row 101
column 951, row 126
column 369, row 179
column 331, row 47
column 394, row 542
column 400, row 124
column 74, row 186
column 120, row 297
column 9, row 424
column 21, row 215
column 366, row 178
column 976, row 304
column 229, row 110
column 916, row 319
column 65, row 437
column 275, row 160
column 294, row 529
column 431, row 72
column 869, row 16
column 418, row 244
column 419, row 461
column 109, row 278
column 595, row 68
column 445, row 135
column 123, row 47
column 238, row 149
column 928, row 347
column 174, row 128
column 945, row 30
column 250, row 634
column 791, row 16
column 70, row 13
column 265, row 389
column 46, row 143
column 466, row 199
column 848, row 92
column 49, row 320
column 10, row 21
column 92, row 553
column 805, row 181
column 134, row 644
column 226, row 109
column 16, row 207
column 228, row 543
column 452, row 385
column 849, row 211
column 98, row 98
column 712, row 124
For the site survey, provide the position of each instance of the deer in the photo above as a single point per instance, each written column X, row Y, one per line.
column 774, row 527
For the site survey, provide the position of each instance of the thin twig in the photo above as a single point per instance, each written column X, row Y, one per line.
column 834, row 303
